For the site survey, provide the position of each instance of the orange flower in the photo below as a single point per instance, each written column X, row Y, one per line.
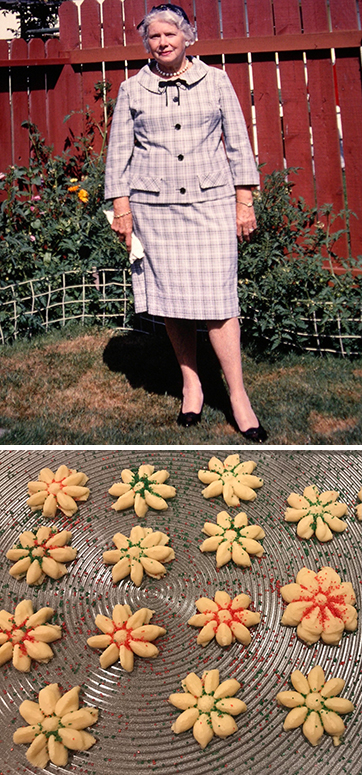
column 83, row 195
column 73, row 188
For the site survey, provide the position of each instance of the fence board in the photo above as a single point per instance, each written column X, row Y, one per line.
column 113, row 35
column 297, row 147
column 326, row 141
column 134, row 11
column 37, row 89
column 348, row 73
column 266, row 97
column 92, row 73
column 343, row 15
column 237, row 68
column 20, row 110
column 5, row 144
column 64, row 84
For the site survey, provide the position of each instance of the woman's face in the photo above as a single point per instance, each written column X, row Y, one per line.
column 167, row 44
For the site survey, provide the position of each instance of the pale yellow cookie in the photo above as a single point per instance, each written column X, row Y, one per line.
column 232, row 538
column 208, row 706
column 124, row 635
column 231, row 479
column 56, row 725
column 320, row 605
column 26, row 635
column 224, row 619
column 315, row 705
column 144, row 551
column 59, row 490
column 359, row 507
column 142, row 489
column 317, row 513
column 41, row 554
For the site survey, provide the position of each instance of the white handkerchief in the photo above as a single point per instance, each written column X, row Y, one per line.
column 137, row 251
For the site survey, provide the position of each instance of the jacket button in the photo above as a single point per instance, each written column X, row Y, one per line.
column 177, row 126
column 180, row 157
column 175, row 99
column 182, row 190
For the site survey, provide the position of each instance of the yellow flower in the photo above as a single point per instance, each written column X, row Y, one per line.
column 56, row 724
column 231, row 479
column 224, row 619
column 321, row 605
column 144, row 550
column 41, row 554
column 60, row 490
column 142, row 489
column 124, row 635
column 232, row 538
column 83, row 195
column 316, row 513
column 25, row 635
column 208, row 707
column 315, row 704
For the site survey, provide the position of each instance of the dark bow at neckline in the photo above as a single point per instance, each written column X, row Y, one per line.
column 172, row 82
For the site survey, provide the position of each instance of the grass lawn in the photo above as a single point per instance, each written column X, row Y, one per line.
column 91, row 386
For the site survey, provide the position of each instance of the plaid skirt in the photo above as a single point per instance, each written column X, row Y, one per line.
column 190, row 265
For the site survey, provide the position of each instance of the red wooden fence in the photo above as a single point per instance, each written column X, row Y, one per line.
column 295, row 65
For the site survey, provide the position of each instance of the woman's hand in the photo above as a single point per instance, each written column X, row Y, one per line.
column 245, row 221
column 122, row 220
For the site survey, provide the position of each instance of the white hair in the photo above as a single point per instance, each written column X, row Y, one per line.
column 172, row 18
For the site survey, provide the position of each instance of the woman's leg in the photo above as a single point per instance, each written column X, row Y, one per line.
column 182, row 334
column 225, row 339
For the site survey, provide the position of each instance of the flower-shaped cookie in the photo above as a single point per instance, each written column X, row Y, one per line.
column 315, row 705
column 230, row 478
column 25, row 635
column 316, row 513
column 41, row 554
column 232, row 538
column 56, row 724
column 224, row 618
column 359, row 507
column 321, row 605
column 142, row 489
column 60, row 490
column 144, row 550
column 208, row 707
column 126, row 634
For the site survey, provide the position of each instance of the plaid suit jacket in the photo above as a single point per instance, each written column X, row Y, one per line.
column 166, row 140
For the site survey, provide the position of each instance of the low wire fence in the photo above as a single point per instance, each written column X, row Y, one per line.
column 104, row 297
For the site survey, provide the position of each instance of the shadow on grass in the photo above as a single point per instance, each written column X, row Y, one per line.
column 149, row 362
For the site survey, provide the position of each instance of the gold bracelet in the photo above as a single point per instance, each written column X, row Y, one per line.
column 122, row 214
column 247, row 204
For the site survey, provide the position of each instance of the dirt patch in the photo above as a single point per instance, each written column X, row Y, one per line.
column 357, row 373
column 327, row 426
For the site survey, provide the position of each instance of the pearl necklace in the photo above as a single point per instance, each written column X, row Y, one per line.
column 171, row 75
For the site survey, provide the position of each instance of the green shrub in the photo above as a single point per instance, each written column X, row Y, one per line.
column 294, row 290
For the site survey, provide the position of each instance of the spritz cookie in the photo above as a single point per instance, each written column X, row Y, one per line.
column 231, row 479
column 56, row 725
column 315, row 705
column 41, row 554
column 224, row 619
column 144, row 551
column 142, row 488
column 26, row 635
column 124, row 635
column 317, row 513
column 232, row 538
column 59, row 490
column 208, row 706
column 320, row 605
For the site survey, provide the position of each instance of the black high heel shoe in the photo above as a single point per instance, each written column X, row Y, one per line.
column 256, row 435
column 187, row 419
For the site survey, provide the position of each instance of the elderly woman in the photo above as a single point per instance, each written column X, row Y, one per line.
column 187, row 196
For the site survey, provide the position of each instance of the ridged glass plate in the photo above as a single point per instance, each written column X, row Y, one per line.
column 134, row 731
